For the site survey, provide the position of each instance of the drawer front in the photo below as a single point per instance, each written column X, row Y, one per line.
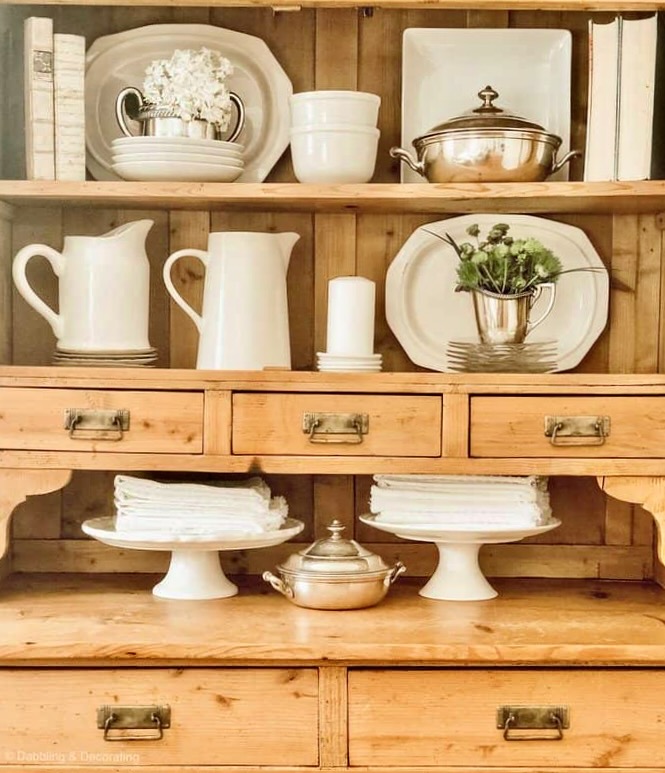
column 447, row 718
column 396, row 425
column 515, row 426
column 218, row 716
column 159, row 422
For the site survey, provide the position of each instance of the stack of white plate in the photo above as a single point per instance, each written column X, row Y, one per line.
column 130, row 358
column 369, row 363
column 177, row 159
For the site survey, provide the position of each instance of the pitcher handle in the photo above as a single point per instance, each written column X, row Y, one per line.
column 538, row 292
column 120, row 111
column 203, row 257
column 240, row 120
column 23, row 286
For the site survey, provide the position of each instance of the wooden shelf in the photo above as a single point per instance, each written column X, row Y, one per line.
column 296, row 5
column 538, row 622
column 545, row 197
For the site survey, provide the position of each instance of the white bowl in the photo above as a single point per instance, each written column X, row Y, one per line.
column 175, row 171
column 194, row 158
column 334, row 154
column 358, row 108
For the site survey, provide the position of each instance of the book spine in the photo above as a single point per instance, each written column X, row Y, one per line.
column 68, row 80
column 39, row 110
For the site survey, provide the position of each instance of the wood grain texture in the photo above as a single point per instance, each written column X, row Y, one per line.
column 333, row 720
column 539, row 622
column 60, row 708
column 395, row 717
column 452, row 198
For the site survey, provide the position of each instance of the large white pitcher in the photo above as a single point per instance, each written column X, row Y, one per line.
column 103, row 289
column 244, row 321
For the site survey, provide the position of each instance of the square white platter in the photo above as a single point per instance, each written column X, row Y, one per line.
column 444, row 69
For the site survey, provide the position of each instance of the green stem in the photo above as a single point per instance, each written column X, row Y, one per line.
column 489, row 277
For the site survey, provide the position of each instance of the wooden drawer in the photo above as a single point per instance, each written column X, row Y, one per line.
column 397, row 425
column 515, row 426
column 447, row 718
column 159, row 422
column 249, row 716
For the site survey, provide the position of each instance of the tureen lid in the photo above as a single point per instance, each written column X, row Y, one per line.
column 335, row 555
column 487, row 116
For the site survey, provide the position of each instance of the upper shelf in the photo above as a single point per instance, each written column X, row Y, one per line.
column 545, row 197
column 296, row 5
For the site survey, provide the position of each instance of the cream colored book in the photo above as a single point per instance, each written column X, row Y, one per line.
column 39, row 109
column 68, row 80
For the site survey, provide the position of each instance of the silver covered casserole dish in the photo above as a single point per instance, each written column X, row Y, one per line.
column 334, row 573
column 486, row 144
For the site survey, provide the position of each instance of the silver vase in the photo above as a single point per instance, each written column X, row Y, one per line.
column 506, row 319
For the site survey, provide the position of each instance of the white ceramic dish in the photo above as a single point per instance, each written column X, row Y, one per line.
column 150, row 150
column 181, row 158
column 178, row 143
column 175, row 171
column 444, row 69
column 334, row 154
column 116, row 61
column 425, row 313
column 194, row 571
column 458, row 576
column 334, row 107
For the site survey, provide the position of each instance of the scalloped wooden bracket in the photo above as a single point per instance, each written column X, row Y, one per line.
column 646, row 491
column 17, row 485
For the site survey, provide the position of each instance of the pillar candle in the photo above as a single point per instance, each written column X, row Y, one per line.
column 351, row 316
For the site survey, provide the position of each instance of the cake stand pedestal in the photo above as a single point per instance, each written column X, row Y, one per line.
column 195, row 572
column 458, row 576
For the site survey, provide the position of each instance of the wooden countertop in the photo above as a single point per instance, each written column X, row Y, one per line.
column 114, row 620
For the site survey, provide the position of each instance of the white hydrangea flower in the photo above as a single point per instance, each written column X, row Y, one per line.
column 191, row 85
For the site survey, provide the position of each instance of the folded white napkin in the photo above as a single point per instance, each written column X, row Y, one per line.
column 194, row 508
column 460, row 482
column 475, row 519
column 254, row 490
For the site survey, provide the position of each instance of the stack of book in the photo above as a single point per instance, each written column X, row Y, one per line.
column 54, row 70
column 625, row 118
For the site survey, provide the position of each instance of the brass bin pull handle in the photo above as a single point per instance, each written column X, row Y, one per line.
column 96, row 424
column 511, row 722
column 347, row 428
column 124, row 718
column 577, row 430
column 537, row 723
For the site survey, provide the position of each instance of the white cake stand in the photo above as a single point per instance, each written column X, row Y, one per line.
column 458, row 576
column 194, row 571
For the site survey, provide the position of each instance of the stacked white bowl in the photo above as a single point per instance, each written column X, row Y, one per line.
column 334, row 137
column 177, row 159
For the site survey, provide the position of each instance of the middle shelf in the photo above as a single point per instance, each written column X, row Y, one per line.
column 543, row 197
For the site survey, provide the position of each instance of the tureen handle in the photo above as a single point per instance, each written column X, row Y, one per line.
column 564, row 160
column 404, row 155
column 278, row 584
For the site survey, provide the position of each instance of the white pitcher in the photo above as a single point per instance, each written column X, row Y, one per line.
column 244, row 321
column 103, row 289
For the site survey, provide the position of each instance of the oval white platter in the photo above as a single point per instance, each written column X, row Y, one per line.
column 426, row 314
column 116, row 61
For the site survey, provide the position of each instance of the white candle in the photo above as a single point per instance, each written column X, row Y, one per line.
column 351, row 315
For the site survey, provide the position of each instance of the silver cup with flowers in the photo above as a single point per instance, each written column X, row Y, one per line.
column 505, row 275
column 183, row 96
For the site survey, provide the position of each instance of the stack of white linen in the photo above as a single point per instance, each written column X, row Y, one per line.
column 233, row 507
column 461, row 500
